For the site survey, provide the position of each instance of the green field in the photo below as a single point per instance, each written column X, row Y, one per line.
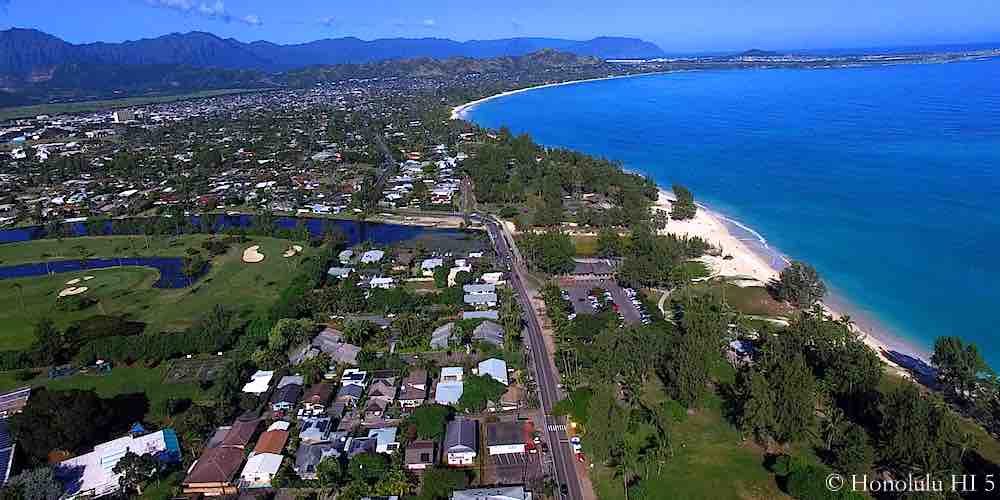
column 121, row 380
column 87, row 106
column 710, row 461
column 129, row 291
column 752, row 300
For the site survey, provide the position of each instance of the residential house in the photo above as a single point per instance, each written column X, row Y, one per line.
column 273, row 440
column 260, row 470
column 414, row 390
column 357, row 446
column 354, row 376
column 259, row 382
column 308, row 456
column 428, row 266
column 480, row 295
column 385, row 440
column 495, row 368
column 287, row 394
column 507, row 437
column 12, row 402
column 215, row 470
column 345, row 256
column 350, row 394
column 441, row 336
column 372, row 257
column 315, row 429
column 92, row 475
column 375, row 409
column 489, row 314
column 330, row 342
column 452, row 374
column 460, row 442
column 420, row 455
column 488, row 332
column 316, row 398
column 384, row 283
column 498, row 493
column 339, row 273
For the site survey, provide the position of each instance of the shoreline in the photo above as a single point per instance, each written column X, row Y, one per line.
column 459, row 112
column 758, row 268
column 747, row 262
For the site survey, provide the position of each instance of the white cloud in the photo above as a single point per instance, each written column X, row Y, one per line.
column 216, row 10
column 429, row 23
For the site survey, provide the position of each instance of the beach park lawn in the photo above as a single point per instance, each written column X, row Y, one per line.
column 129, row 290
column 710, row 460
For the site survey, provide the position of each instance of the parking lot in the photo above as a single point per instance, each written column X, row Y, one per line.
column 513, row 468
column 577, row 292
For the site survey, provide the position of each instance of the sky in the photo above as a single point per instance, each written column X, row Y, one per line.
column 678, row 26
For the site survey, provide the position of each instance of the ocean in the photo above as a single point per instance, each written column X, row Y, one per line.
column 884, row 177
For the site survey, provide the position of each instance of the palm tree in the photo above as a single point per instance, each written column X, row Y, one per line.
column 832, row 425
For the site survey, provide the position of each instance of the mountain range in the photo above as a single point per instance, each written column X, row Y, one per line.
column 31, row 54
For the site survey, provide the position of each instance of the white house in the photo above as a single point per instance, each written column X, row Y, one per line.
column 448, row 393
column 260, row 470
column 452, row 374
column 383, row 283
column 428, row 266
column 495, row 368
column 460, row 442
column 372, row 257
column 92, row 474
column 385, row 440
column 259, row 382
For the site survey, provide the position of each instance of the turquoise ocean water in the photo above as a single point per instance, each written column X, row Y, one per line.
column 886, row 178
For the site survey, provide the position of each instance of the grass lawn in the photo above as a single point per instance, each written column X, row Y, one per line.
column 710, row 461
column 84, row 106
column 121, row 380
column 586, row 246
column 753, row 300
column 129, row 291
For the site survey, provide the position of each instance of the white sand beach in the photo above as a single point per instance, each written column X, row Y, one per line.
column 458, row 112
column 747, row 264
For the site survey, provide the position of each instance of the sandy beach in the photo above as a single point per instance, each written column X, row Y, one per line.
column 458, row 112
column 752, row 268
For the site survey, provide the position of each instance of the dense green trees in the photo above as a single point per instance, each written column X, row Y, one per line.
column 32, row 484
column 135, row 470
column 695, row 349
column 960, row 366
column 72, row 420
column 654, row 260
column 683, row 207
column 429, row 421
column 917, row 433
column 480, row 391
column 799, row 284
column 551, row 252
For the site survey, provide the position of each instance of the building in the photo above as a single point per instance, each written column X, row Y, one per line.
column 214, row 473
column 329, row 342
column 385, row 440
column 6, row 452
column 259, row 382
column 339, row 272
column 308, row 456
column 428, row 266
column 495, row 368
column 92, row 474
column 598, row 269
column 316, row 398
column 480, row 295
column 354, row 376
column 123, row 116
column 260, row 470
column 372, row 257
column 490, row 314
column 273, row 440
column 507, row 437
column 441, row 336
column 501, row 493
column 384, row 283
column 452, row 374
column 287, row 394
column 13, row 402
column 350, row 394
column 488, row 332
column 420, row 455
column 413, row 393
column 460, row 442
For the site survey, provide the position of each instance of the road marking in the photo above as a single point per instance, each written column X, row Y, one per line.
column 557, row 428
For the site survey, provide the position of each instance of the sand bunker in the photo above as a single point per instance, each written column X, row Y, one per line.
column 73, row 281
column 73, row 290
column 88, row 278
column 292, row 251
column 252, row 255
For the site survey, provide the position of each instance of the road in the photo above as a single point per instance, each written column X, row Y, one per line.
column 563, row 458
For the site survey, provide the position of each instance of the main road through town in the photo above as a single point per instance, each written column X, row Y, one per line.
column 563, row 457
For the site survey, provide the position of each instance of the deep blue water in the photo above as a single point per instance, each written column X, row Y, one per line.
column 171, row 269
column 884, row 178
